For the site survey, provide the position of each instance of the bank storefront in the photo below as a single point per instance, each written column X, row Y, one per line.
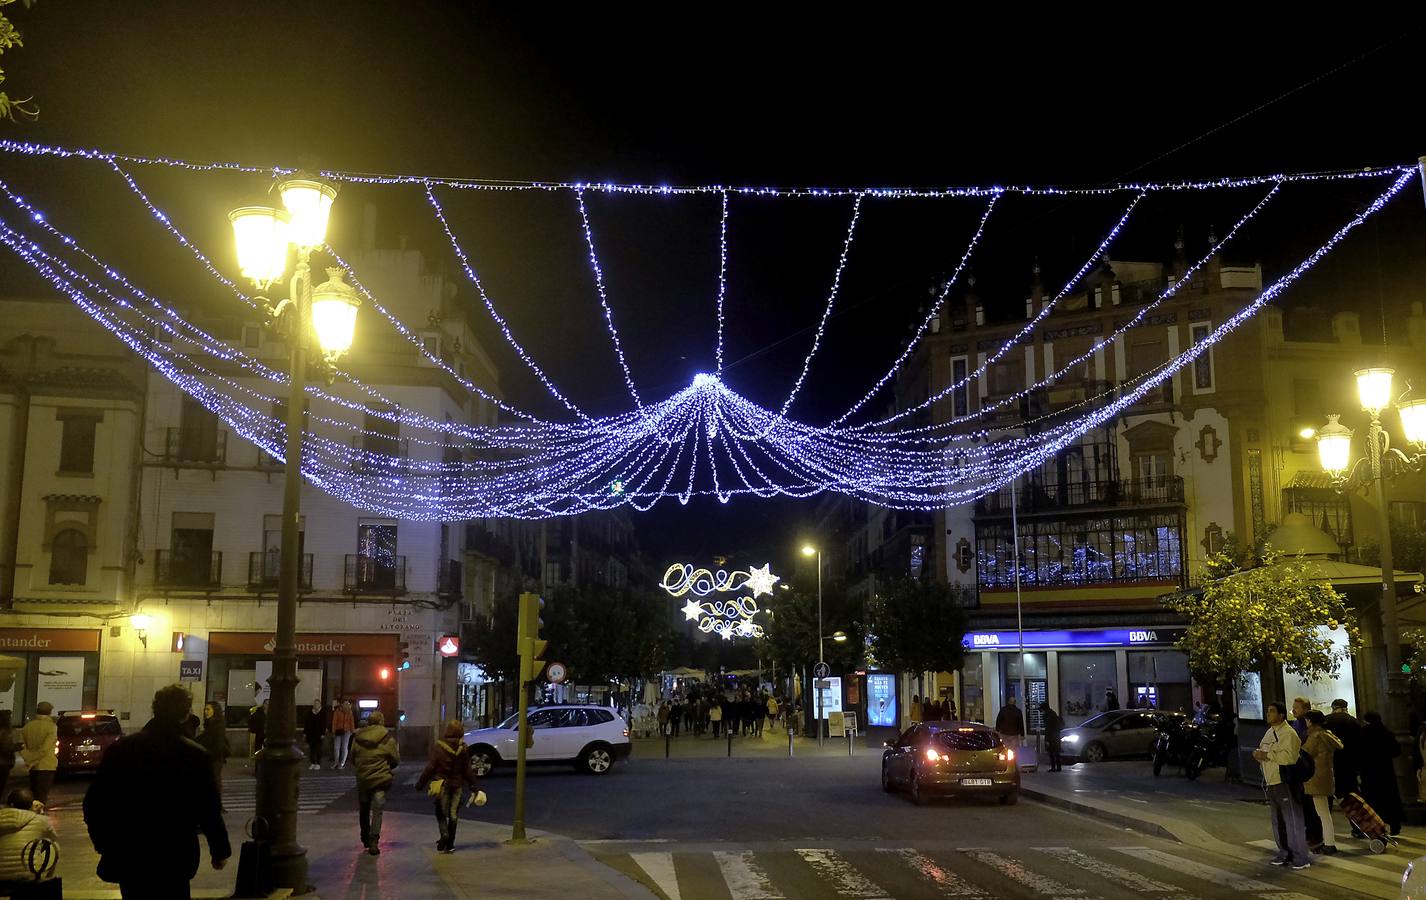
column 61, row 667
column 1082, row 672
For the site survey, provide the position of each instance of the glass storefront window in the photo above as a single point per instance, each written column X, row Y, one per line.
column 972, row 707
column 1085, row 680
column 1036, row 685
column 1158, row 679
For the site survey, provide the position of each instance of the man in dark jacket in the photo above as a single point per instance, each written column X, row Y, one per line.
column 154, row 792
column 374, row 755
column 1010, row 724
column 1344, row 762
column 1054, row 728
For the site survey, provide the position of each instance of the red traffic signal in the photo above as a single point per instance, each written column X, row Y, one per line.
column 384, row 673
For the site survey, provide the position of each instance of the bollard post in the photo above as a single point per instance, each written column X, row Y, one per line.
column 849, row 743
column 666, row 739
column 789, row 740
column 730, row 745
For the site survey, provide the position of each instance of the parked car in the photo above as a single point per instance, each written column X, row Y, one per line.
column 591, row 738
column 1119, row 732
column 950, row 758
column 83, row 738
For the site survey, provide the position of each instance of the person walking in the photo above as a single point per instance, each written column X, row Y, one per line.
column 314, row 729
column 214, row 738
column 772, row 710
column 22, row 821
column 153, row 795
column 1280, row 747
column 675, row 717
column 664, row 714
column 41, row 739
column 1010, row 724
column 1301, row 706
column 374, row 756
column 343, row 725
column 7, row 749
column 1054, row 728
column 917, row 712
column 257, row 730
column 951, row 710
column 1377, row 752
column 1111, row 700
column 1322, row 745
column 447, row 775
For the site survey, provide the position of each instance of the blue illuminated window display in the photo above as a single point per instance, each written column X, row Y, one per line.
column 1068, row 553
column 881, row 700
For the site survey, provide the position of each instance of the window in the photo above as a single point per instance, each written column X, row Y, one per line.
column 1203, row 365
column 1095, row 550
column 1406, row 513
column 69, row 558
column 376, row 555
column 191, row 560
column 382, row 436
column 1153, row 468
column 198, row 432
column 973, row 739
column 76, row 450
column 252, row 336
column 960, row 397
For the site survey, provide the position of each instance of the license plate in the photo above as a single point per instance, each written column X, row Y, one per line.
column 977, row 782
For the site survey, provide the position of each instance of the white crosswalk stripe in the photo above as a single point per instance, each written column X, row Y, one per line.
column 315, row 792
column 1388, row 874
column 967, row 872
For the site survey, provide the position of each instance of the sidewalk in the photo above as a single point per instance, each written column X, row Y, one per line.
column 483, row 865
column 1208, row 813
column 772, row 743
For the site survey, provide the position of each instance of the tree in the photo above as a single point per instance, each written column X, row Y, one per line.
column 1408, row 549
column 9, row 38
column 492, row 641
column 917, row 626
column 790, row 638
column 1273, row 612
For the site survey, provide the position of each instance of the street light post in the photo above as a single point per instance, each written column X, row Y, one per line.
column 1382, row 461
column 263, row 236
column 821, row 654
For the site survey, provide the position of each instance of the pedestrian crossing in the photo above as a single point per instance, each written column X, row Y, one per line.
column 908, row 873
column 316, row 791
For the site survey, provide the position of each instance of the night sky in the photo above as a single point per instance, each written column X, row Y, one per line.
column 688, row 95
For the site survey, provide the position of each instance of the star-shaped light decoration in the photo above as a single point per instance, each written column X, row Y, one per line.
column 727, row 632
column 746, row 628
column 761, row 581
column 692, row 609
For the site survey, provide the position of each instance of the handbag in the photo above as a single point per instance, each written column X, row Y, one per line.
column 435, row 787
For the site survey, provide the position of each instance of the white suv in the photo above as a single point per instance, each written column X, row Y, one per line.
column 590, row 737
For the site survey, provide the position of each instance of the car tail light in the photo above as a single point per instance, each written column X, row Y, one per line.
column 932, row 755
column 1007, row 756
column 86, row 715
column 626, row 732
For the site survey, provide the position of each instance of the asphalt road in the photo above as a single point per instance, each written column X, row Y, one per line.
column 779, row 829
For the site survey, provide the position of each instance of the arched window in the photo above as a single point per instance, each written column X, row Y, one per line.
column 69, row 558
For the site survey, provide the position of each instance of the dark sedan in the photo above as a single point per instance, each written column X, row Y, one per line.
column 950, row 758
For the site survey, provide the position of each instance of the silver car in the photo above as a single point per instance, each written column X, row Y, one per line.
column 1119, row 732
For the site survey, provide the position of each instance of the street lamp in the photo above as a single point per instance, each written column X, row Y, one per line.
column 1381, row 462
column 264, row 237
column 809, row 550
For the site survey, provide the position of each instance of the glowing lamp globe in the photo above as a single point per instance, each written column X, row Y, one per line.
column 1413, row 417
column 809, row 550
column 309, row 202
column 334, row 309
column 839, row 636
column 1374, row 388
column 1334, row 445
column 261, row 234
column 141, row 621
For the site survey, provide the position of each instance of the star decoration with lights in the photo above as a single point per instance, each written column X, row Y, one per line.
column 692, row 609
column 761, row 581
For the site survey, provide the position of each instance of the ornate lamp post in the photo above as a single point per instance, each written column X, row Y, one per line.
column 1381, row 462
column 264, row 237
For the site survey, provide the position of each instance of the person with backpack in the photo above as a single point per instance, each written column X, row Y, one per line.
column 1278, row 754
column 374, row 755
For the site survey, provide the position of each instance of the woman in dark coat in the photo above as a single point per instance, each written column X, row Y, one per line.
column 1377, row 748
column 451, row 765
column 214, row 738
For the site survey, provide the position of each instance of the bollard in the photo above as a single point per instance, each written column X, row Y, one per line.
column 849, row 743
column 789, row 740
column 730, row 745
column 666, row 740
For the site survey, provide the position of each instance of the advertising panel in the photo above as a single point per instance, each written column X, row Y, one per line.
column 881, row 700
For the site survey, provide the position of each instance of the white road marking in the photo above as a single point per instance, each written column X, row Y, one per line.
column 659, row 867
column 951, row 885
column 847, row 881
column 744, row 878
column 1389, row 875
column 1016, row 871
column 1126, row 877
column 1220, row 877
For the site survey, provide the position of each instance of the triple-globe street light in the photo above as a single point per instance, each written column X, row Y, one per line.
column 266, row 238
column 1380, row 462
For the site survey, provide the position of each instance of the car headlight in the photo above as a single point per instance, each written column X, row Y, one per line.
column 1070, row 739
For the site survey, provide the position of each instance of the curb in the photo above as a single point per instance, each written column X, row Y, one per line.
column 1154, row 829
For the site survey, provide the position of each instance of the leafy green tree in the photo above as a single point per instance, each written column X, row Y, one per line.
column 10, row 38
column 790, row 629
column 1408, row 549
column 492, row 638
column 1249, row 617
column 917, row 626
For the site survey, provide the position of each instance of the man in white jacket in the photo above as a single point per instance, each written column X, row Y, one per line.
column 21, row 823
column 1280, row 747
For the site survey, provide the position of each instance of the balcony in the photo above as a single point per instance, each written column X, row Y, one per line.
column 195, row 447
column 381, row 456
column 374, row 575
column 188, row 571
column 265, row 571
column 1038, row 498
column 449, row 581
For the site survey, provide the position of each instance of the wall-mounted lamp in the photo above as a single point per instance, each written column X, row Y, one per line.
column 141, row 623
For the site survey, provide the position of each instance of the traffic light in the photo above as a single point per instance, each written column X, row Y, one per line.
column 403, row 656
column 384, row 673
column 531, row 646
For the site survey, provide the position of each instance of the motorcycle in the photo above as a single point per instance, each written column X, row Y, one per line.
column 1173, row 743
column 1212, row 744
